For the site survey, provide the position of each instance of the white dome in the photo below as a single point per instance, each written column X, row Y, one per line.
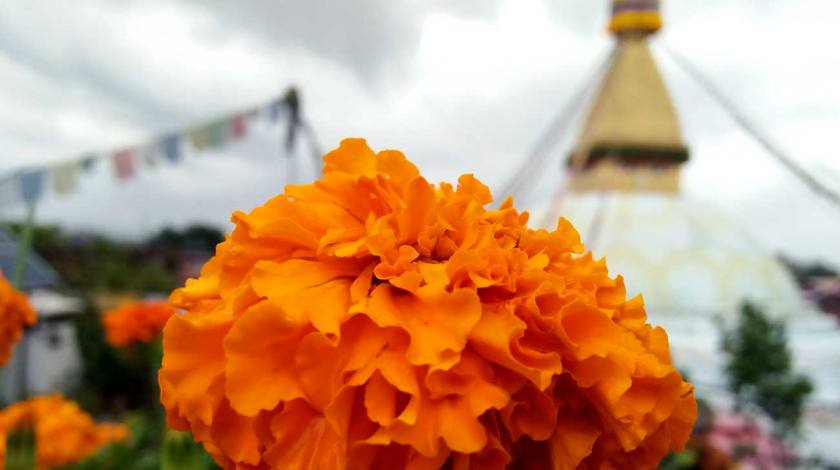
column 685, row 258
column 694, row 265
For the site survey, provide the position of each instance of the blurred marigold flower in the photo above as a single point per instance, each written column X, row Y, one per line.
column 136, row 322
column 16, row 313
column 64, row 434
column 373, row 320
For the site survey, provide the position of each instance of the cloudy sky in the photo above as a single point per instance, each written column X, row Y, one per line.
column 460, row 86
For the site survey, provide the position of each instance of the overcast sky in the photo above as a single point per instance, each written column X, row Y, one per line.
column 459, row 86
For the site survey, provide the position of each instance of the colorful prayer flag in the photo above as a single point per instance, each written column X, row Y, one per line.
column 65, row 177
column 198, row 138
column 239, row 126
column 209, row 136
column 123, row 161
column 89, row 161
column 218, row 134
column 274, row 109
column 149, row 154
column 30, row 185
column 171, row 147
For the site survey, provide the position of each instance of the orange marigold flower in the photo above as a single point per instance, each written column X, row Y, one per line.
column 136, row 322
column 373, row 320
column 16, row 313
column 64, row 434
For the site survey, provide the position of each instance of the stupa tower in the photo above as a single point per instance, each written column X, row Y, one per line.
column 631, row 140
column 693, row 262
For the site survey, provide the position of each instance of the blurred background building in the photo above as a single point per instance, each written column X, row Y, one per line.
column 47, row 358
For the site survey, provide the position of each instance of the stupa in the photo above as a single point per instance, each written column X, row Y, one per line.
column 693, row 265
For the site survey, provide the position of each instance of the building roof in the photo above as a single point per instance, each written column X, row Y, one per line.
column 38, row 273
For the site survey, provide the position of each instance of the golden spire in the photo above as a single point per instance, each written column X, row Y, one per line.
column 635, row 17
column 631, row 140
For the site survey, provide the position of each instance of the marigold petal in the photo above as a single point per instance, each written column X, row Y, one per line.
column 391, row 361
column 571, row 442
column 417, row 461
column 193, row 367
column 380, row 400
column 16, row 314
column 461, row 431
column 304, row 439
column 352, row 156
column 207, row 286
column 472, row 379
column 260, row 349
column 308, row 291
column 322, row 364
column 496, row 337
column 530, row 412
column 394, row 164
column 235, row 435
column 285, row 232
column 437, row 321
column 419, row 210
column 494, row 456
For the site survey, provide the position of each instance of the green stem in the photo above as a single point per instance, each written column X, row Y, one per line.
column 20, row 448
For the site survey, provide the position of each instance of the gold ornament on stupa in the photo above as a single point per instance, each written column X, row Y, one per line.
column 631, row 140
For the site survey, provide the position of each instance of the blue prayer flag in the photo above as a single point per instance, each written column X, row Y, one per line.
column 171, row 148
column 274, row 109
column 31, row 185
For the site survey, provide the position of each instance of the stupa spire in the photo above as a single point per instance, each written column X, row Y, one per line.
column 635, row 17
column 631, row 140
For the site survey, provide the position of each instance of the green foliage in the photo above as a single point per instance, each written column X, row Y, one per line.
column 97, row 263
column 195, row 237
column 685, row 460
column 144, row 450
column 759, row 372
column 180, row 452
column 126, row 378
column 115, row 378
column 20, row 450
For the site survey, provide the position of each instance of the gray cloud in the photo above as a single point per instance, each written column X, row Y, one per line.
column 368, row 37
column 459, row 86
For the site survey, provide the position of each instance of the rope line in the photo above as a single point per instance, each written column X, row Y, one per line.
column 729, row 106
column 523, row 178
column 596, row 225
column 315, row 149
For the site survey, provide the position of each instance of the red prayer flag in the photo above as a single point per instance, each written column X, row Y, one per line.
column 123, row 161
column 238, row 126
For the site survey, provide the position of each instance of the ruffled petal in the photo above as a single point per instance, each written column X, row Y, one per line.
column 437, row 321
column 352, row 156
column 571, row 442
column 260, row 350
column 236, row 435
column 497, row 336
column 304, row 439
column 193, row 366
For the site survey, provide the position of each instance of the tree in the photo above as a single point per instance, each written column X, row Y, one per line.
column 759, row 373
column 195, row 237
